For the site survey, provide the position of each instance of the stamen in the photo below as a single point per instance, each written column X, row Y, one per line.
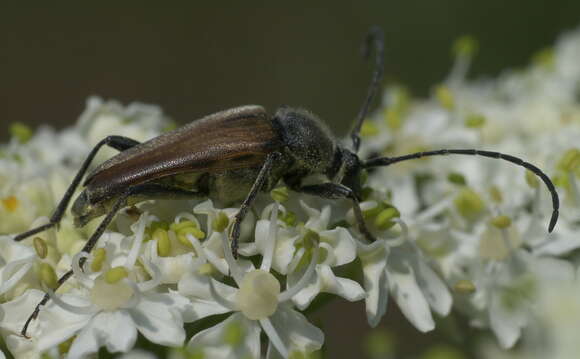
column 302, row 282
column 25, row 265
column 270, row 244
column 155, row 280
column 137, row 241
column 274, row 337
column 76, row 309
column 235, row 269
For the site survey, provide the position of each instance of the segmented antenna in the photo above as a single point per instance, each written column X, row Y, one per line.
column 376, row 41
column 387, row 161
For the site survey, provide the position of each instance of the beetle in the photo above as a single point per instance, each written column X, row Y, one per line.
column 233, row 155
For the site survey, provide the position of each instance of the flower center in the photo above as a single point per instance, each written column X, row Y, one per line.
column 257, row 297
column 109, row 294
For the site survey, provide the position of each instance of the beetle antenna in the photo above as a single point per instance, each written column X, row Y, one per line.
column 387, row 161
column 374, row 40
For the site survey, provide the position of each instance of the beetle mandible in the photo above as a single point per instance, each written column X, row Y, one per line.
column 232, row 156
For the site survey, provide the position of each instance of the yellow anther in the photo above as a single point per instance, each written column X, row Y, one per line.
column 11, row 203
column 475, row 121
column 48, row 275
column 163, row 243
column 21, row 132
column 234, row 334
column 98, row 259
column 221, row 222
column 501, row 222
column 322, row 254
column 570, row 161
column 465, row 45
column 206, row 269
column 182, row 235
column 464, row 286
column 289, row 218
column 373, row 211
column 64, row 347
column 445, row 97
column 469, row 203
column 393, row 118
column 456, row 178
column 544, row 58
column 532, row 179
column 176, row 227
column 280, row 194
column 495, row 194
column 384, row 219
column 369, row 129
column 114, row 275
column 40, row 247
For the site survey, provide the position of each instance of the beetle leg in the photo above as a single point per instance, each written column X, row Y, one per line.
column 117, row 142
column 337, row 191
column 256, row 187
column 86, row 249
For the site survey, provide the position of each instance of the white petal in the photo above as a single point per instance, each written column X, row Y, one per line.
column 16, row 311
column 158, row 320
column 317, row 220
column 296, row 332
column 433, row 288
column 410, row 299
column 505, row 323
column 56, row 324
column 376, row 285
column 116, row 329
column 211, row 341
column 325, row 281
column 343, row 244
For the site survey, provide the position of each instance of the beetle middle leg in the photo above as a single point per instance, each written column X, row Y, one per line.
column 337, row 191
column 256, row 187
column 117, row 142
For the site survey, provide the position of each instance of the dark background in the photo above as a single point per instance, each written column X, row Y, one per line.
column 197, row 59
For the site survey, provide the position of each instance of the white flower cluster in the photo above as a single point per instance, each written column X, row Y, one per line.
column 459, row 232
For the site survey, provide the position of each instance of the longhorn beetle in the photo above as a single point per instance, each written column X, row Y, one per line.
column 231, row 156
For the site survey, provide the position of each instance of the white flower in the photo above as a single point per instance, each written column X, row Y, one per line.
column 258, row 303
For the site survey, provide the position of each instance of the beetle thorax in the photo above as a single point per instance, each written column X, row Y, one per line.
column 308, row 141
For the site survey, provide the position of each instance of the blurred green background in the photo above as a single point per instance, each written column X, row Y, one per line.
column 194, row 59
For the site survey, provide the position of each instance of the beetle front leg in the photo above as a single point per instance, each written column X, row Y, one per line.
column 117, row 142
column 86, row 249
column 336, row 191
column 256, row 187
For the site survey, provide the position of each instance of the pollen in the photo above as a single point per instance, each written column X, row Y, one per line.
column 501, row 222
column 40, row 247
column 532, row 180
column 114, row 275
column 98, row 259
column 384, row 219
column 48, row 275
column 465, row 46
column 445, row 97
column 163, row 242
column 280, row 194
column 11, row 203
column 221, row 222
column 469, row 203
column 464, row 286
